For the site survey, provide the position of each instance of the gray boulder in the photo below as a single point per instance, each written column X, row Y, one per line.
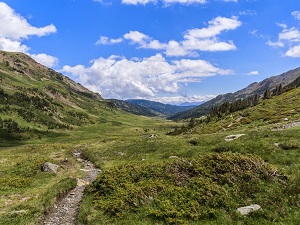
column 247, row 209
column 49, row 167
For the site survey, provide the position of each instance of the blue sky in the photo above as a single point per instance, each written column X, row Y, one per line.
column 164, row 50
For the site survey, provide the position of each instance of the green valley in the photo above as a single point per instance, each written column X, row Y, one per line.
column 153, row 170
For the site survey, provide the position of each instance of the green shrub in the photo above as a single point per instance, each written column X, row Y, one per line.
column 183, row 190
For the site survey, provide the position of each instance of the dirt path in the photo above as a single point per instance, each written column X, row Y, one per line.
column 65, row 211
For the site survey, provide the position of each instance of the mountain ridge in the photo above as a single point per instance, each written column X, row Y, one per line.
column 269, row 83
column 161, row 109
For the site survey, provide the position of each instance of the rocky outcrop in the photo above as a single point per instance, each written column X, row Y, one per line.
column 248, row 209
column 50, row 167
column 233, row 137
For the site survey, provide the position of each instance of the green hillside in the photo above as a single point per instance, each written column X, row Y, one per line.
column 273, row 113
column 36, row 99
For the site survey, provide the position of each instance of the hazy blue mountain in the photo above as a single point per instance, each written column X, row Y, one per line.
column 160, row 108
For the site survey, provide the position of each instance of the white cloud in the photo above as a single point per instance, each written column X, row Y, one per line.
column 248, row 12
column 136, row 2
column 230, row 0
column 294, row 51
column 137, row 37
column 165, row 2
column 173, row 48
column 44, row 59
column 177, row 100
column 168, row 2
column 216, row 26
column 118, row 77
column 291, row 34
column 104, row 2
column 7, row 44
column 15, row 28
column 108, row 41
column 296, row 14
column 198, row 39
column 289, row 37
column 255, row 72
column 275, row 44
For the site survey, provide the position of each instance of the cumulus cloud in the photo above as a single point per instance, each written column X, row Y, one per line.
column 108, row 41
column 289, row 37
column 46, row 60
column 137, row 37
column 198, row 39
column 255, row 72
column 177, row 100
column 296, row 14
column 216, row 26
column 291, row 34
column 119, row 77
column 15, row 28
column 275, row 44
column 294, row 51
column 7, row 44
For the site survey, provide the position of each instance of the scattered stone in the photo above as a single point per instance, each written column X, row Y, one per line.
column 66, row 160
column 120, row 153
column 233, row 137
column 286, row 119
column 77, row 153
column 82, row 183
column 247, row 209
column 18, row 212
column 50, row 167
column 153, row 136
column 173, row 157
column 276, row 144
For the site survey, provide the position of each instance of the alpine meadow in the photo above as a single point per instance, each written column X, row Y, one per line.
column 148, row 133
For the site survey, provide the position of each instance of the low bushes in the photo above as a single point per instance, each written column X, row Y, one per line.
column 181, row 191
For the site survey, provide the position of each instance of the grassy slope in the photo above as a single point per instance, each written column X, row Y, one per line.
column 26, row 192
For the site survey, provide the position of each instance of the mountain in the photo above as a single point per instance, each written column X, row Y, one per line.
column 34, row 97
column 277, row 112
column 160, row 108
column 134, row 109
column 253, row 89
column 193, row 104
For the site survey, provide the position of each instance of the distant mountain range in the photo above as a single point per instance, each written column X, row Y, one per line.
column 252, row 89
column 149, row 108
